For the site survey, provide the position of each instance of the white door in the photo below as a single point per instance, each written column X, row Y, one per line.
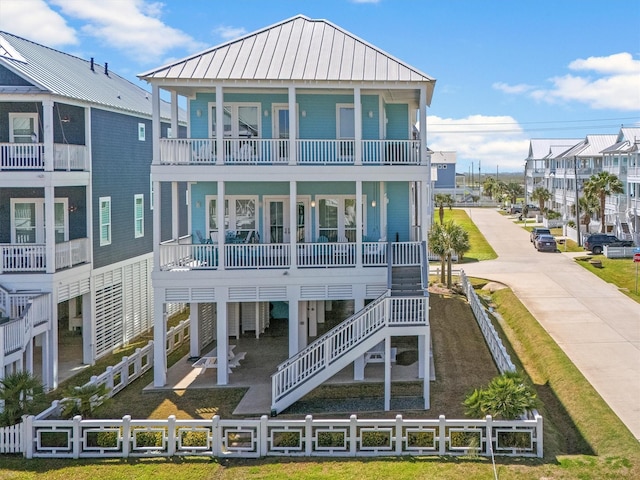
column 278, row 224
column 281, row 131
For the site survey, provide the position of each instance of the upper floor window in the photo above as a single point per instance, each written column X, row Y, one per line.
column 241, row 120
column 23, row 127
column 138, row 215
column 28, row 220
column 105, row 221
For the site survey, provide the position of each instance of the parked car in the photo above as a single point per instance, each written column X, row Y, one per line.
column 515, row 209
column 595, row 243
column 545, row 243
column 538, row 231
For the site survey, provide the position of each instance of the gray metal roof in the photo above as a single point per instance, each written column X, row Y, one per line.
column 541, row 147
column 297, row 49
column 58, row 73
column 591, row 146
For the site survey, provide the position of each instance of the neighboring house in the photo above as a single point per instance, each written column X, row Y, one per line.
column 302, row 167
column 443, row 173
column 540, row 164
column 76, row 236
column 622, row 159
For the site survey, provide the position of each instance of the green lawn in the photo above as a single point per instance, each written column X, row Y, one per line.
column 480, row 248
column 622, row 272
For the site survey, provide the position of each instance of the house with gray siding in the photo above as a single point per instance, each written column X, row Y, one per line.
column 308, row 193
column 76, row 234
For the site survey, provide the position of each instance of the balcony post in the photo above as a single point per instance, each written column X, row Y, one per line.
column 155, row 126
column 47, row 119
column 219, row 132
column 175, row 230
column 359, row 222
column 50, row 229
column 159, row 339
column 293, row 224
column 293, row 127
column 174, row 114
column 157, row 237
column 222, row 336
column 357, row 113
column 222, row 232
column 425, row 158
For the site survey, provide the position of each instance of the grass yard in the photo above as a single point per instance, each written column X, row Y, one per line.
column 622, row 272
column 480, row 248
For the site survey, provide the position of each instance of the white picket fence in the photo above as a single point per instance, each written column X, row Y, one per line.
column 352, row 437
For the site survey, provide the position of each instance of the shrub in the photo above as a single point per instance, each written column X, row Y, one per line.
column 148, row 439
column 420, row 439
column 104, row 439
column 22, row 394
column 286, row 439
column 506, row 397
column 331, row 439
column 465, row 439
column 54, row 439
column 191, row 438
column 371, row 438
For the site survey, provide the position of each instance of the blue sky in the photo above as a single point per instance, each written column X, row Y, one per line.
column 506, row 70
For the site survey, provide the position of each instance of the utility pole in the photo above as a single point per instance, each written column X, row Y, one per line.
column 575, row 174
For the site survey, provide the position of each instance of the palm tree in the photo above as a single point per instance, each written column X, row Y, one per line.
column 490, row 187
column 22, row 394
column 601, row 185
column 83, row 400
column 514, row 190
column 442, row 199
column 507, row 396
column 445, row 240
column 541, row 195
column 588, row 206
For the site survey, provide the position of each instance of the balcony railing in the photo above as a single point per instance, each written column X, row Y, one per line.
column 31, row 257
column 175, row 256
column 258, row 151
column 31, row 156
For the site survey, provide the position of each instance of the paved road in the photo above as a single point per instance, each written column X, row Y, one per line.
column 597, row 326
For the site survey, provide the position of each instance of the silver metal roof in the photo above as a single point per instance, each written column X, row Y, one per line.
column 591, row 146
column 541, row 147
column 58, row 73
column 295, row 50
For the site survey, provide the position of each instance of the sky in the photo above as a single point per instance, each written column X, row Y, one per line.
column 507, row 71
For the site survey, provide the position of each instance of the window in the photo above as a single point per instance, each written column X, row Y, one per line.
column 28, row 220
column 23, row 127
column 142, row 132
column 138, row 215
column 240, row 216
column 346, row 125
column 105, row 221
column 337, row 218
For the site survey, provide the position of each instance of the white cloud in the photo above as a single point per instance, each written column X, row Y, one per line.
column 229, row 33
column 491, row 140
column 132, row 26
column 613, row 84
column 35, row 20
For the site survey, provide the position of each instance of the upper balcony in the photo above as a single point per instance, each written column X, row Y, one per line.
column 31, row 156
column 258, row 151
column 32, row 258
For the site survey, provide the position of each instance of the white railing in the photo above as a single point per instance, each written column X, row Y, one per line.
column 174, row 256
column 269, row 255
column 120, row 375
column 261, row 151
column 21, row 156
column 30, row 156
column 325, row 351
column 406, row 254
column 308, row 437
column 23, row 257
column 72, row 253
column 326, row 254
column 496, row 347
column 26, row 312
column 618, row 252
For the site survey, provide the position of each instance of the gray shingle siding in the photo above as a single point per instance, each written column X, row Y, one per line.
column 71, row 132
column 10, row 79
column 120, row 170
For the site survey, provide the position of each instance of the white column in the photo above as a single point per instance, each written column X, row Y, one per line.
column 175, row 221
column 293, row 323
column 359, row 223
column 47, row 118
column 46, row 366
column 358, row 364
column 155, row 125
column 422, row 359
column 427, row 377
column 424, row 156
column 357, row 112
column 293, row 224
column 49, row 228
column 222, row 340
column 222, row 260
column 293, row 126
column 52, row 356
column 194, row 330
column 425, row 202
column 219, row 126
column 302, row 325
column 88, row 327
column 159, row 340
column 174, row 114
column 387, row 374
column 157, row 223
column 28, row 366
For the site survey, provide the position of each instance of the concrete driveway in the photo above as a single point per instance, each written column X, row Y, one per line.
column 597, row 326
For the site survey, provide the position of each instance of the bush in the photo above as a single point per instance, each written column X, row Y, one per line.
column 148, row 439
column 506, row 397
column 22, row 394
column 191, row 438
column 52, row 439
column 465, row 439
column 104, row 439
column 331, row 439
column 420, row 439
column 371, row 438
column 286, row 439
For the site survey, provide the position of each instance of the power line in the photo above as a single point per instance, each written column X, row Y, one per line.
column 522, row 130
column 543, row 121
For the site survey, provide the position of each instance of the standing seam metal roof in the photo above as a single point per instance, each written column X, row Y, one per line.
column 297, row 49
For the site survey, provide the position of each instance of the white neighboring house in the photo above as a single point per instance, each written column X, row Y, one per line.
column 302, row 167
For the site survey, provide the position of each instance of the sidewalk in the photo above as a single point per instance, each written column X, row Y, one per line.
column 597, row 326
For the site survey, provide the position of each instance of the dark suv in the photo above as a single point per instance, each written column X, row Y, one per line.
column 595, row 243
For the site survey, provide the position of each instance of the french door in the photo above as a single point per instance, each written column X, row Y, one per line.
column 28, row 220
column 278, row 221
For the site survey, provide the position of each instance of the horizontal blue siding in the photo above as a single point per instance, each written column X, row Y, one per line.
column 398, row 211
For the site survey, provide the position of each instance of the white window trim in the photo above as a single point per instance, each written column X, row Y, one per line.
column 341, row 199
column 13, row 115
column 40, row 221
column 231, row 201
column 233, row 107
column 142, row 134
column 138, row 233
column 103, row 241
column 338, row 107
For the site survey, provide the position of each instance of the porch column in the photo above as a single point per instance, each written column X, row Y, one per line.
column 222, row 260
column 293, row 224
column 424, row 154
column 219, row 129
column 387, row 374
column 157, row 224
column 50, row 227
column 312, row 313
column 425, row 213
column 357, row 112
column 159, row 339
column 302, row 324
column 47, row 377
column 293, row 126
column 88, row 327
column 52, row 356
column 222, row 334
column 155, row 125
column 194, row 330
column 359, row 223
column 293, row 321
column 383, row 212
column 174, row 115
column 422, row 360
column 28, row 354
column 358, row 364
column 427, row 377
column 175, row 221
column 47, row 120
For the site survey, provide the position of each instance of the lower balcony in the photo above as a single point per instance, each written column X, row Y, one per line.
column 182, row 255
column 32, row 258
column 31, row 156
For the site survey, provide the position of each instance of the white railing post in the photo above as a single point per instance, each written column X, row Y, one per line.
column 76, row 437
column 442, row 435
column 171, row 435
column 126, row 436
column 263, row 436
column 539, row 437
column 308, row 435
column 398, row 434
column 27, row 436
column 216, row 437
column 353, row 435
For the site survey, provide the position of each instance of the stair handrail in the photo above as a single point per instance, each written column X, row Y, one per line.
column 297, row 378
column 424, row 267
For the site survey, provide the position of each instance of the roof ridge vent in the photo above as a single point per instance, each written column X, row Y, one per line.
column 106, row 69
column 92, row 65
